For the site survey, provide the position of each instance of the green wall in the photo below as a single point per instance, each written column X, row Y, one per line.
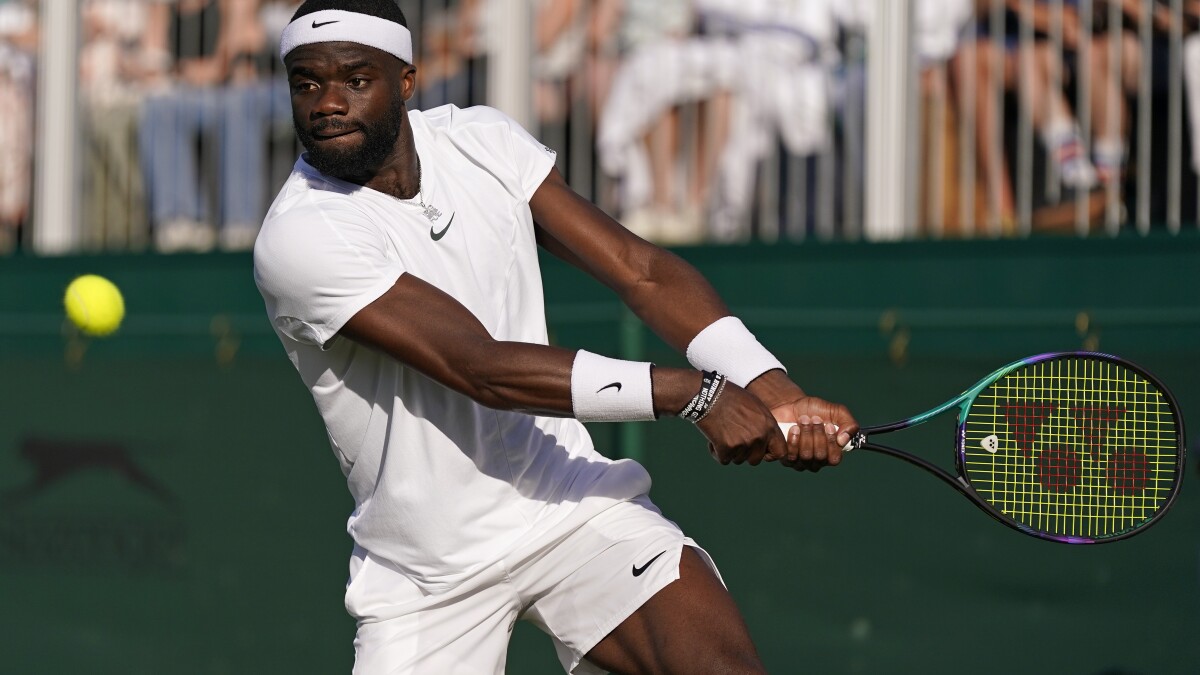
column 211, row 538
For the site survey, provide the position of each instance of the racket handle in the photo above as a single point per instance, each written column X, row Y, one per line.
column 785, row 427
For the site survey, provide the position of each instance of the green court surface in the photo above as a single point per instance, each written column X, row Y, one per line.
column 206, row 536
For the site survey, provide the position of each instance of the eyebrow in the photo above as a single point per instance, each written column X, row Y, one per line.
column 302, row 71
column 353, row 65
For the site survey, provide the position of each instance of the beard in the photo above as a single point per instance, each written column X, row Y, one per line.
column 378, row 142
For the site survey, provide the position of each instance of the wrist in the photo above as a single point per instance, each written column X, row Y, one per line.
column 611, row 390
column 774, row 388
column 673, row 389
column 711, row 386
column 727, row 347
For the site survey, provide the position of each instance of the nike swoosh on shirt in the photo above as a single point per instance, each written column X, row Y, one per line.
column 610, row 386
column 437, row 236
column 324, row 23
column 637, row 571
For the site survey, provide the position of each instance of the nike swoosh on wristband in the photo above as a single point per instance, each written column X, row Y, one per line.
column 324, row 23
column 437, row 236
column 610, row 386
column 637, row 571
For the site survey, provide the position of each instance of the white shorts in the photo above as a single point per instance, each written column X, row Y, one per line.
column 576, row 587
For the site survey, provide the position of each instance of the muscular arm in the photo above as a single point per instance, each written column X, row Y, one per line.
column 450, row 345
column 666, row 293
column 428, row 330
column 447, row 343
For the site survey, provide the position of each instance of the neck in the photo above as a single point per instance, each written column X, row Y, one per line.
column 400, row 174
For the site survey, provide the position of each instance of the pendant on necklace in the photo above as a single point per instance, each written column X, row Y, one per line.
column 431, row 213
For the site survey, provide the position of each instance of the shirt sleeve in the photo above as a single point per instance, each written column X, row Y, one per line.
column 317, row 267
column 495, row 140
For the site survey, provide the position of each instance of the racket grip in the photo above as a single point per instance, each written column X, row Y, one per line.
column 785, row 427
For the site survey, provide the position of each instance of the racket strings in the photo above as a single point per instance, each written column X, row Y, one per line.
column 1073, row 447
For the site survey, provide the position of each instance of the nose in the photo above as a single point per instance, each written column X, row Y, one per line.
column 330, row 102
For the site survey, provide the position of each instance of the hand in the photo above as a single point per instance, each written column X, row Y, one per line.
column 740, row 429
column 822, row 430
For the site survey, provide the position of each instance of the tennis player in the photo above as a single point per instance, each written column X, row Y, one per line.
column 399, row 268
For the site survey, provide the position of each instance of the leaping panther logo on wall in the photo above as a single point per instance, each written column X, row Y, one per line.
column 93, row 537
column 55, row 460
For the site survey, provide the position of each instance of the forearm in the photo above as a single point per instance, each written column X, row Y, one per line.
column 673, row 299
column 664, row 291
column 537, row 379
column 449, row 345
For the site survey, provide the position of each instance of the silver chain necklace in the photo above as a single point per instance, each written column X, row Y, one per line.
column 428, row 210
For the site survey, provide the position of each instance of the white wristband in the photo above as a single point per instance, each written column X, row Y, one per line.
column 610, row 390
column 727, row 347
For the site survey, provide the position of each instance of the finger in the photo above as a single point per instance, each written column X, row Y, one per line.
column 847, row 427
column 820, row 443
column 737, row 454
column 834, row 449
column 773, row 445
column 810, row 444
column 793, row 445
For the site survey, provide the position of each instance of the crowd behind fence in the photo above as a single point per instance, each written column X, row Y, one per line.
column 691, row 121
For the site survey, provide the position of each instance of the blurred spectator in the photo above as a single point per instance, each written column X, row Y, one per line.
column 938, row 27
column 574, row 49
column 18, row 42
column 1110, row 80
column 1191, row 74
column 662, row 70
column 1115, row 78
column 117, row 67
column 441, row 69
column 781, row 94
column 560, row 41
column 1051, row 114
column 220, row 96
column 473, row 40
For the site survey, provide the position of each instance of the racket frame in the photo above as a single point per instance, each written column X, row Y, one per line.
column 861, row 441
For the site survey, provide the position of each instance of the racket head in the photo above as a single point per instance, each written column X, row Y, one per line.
column 1074, row 447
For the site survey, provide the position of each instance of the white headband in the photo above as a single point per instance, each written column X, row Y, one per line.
column 336, row 25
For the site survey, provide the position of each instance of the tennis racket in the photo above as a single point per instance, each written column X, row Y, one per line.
column 1072, row 447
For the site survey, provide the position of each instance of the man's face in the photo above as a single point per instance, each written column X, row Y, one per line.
column 348, row 106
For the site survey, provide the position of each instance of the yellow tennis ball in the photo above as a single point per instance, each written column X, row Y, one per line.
column 95, row 305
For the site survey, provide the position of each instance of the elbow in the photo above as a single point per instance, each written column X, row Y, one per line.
column 642, row 275
column 482, row 383
column 519, row 382
column 489, row 395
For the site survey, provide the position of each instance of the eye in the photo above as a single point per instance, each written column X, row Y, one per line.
column 303, row 86
column 357, row 82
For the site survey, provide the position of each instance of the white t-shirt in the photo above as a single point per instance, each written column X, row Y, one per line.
column 442, row 485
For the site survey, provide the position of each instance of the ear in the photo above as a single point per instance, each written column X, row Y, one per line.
column 408, row 81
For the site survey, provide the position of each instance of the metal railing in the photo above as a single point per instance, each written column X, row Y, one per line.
column 691, row 121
